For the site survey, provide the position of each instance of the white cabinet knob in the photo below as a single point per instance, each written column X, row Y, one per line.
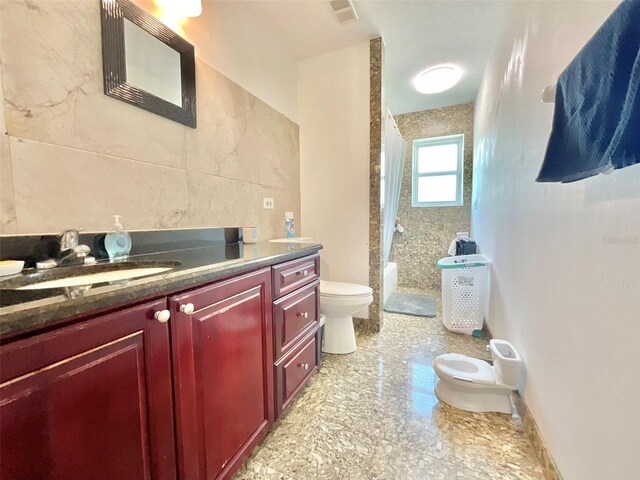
column 187, row 308
column 305, row 273
column 304, row 365
column 303, row 314
column 162, row 316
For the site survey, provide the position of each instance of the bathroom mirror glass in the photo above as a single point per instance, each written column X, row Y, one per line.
column 152, row 65
column 147, row 64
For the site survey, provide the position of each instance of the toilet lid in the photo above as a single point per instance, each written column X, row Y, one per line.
column 340, row 289
column 464, row 368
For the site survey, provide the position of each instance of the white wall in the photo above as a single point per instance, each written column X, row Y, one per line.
column 333, row 114
column 566, row 257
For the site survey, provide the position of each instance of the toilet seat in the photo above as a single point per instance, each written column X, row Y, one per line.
column 341, row 289
column 465, row 369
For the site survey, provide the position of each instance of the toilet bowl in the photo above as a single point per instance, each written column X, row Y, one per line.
column 475, row 385
column 338, row 302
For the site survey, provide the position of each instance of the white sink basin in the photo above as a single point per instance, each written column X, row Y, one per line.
column 85, row 275
column 92, row 278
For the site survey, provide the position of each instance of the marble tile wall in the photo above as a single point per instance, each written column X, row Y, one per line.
column 7, row 205
column 376, row 217
column 429, row 231
column 71, row 156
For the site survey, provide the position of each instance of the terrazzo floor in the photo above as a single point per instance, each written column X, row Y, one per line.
column 373, row 415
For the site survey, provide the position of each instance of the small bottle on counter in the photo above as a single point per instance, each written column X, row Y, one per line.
column 289, row 224
column 118, row 241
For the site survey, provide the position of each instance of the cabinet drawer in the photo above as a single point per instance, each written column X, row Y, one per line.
column 294, row 274
column 294, row 370
column 294, row 315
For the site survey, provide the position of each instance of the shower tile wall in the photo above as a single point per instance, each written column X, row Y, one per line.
column 428, row 231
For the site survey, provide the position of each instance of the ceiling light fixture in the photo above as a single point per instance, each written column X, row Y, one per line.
column 437, row 79
column 181, row 8
column 191, row 8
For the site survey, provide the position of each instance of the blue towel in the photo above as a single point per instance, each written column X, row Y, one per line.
column 596, row 122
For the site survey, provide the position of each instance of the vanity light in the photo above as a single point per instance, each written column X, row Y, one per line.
column 181, row 8
column 437, row 79
column 191, row 8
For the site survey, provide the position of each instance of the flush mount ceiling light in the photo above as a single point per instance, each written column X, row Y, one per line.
column 437, row 79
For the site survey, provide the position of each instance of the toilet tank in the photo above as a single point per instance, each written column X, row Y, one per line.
column 506, row 362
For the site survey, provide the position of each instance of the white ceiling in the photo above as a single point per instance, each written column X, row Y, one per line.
column 417, row 34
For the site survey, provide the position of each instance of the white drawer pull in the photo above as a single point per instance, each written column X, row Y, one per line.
column 303, row 314
column 187, row 308
column 304, row 365
column 162, row 316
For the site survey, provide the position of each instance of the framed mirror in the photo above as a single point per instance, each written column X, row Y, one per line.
column 147, row 64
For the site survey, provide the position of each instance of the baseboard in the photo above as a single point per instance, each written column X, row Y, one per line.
column 549, row 467
column 487, row 331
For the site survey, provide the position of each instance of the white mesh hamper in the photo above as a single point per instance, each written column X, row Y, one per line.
column 465, row 286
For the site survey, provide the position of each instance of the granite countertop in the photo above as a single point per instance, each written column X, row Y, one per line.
column 27, row 310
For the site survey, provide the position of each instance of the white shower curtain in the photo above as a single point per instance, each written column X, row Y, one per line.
column 393, row 152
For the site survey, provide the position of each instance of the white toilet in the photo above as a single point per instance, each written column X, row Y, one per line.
column 338, row 302
column 474, row 385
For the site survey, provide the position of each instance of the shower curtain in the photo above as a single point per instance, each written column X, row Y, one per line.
column 392, row 166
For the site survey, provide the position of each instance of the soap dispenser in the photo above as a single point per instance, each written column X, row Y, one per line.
column 117, row 242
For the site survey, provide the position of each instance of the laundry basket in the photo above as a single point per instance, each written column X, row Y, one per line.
column 465, row 287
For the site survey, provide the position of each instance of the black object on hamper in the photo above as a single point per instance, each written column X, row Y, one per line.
column 466, row 247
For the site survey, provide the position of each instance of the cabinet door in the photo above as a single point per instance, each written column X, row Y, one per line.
column 223, row 357
column 89, row 401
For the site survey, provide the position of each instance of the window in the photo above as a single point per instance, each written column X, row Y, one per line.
column 437, row 171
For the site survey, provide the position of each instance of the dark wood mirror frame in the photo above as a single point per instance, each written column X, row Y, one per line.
column 113, row 13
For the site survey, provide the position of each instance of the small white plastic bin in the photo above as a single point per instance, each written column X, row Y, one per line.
column 465, row 288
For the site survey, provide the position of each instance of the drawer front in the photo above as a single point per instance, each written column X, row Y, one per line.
column 294, row 315
column 289, row 276
column 294, row 370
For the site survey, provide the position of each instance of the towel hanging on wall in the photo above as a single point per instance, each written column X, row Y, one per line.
column 596, row 121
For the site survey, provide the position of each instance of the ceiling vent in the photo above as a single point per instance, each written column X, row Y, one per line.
column 343, row 10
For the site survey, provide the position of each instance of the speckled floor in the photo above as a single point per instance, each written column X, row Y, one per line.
column 373, row 415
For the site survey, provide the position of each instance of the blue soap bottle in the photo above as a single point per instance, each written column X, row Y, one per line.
column 118, row 241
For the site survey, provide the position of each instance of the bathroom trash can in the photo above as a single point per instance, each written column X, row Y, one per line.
column 465, row 290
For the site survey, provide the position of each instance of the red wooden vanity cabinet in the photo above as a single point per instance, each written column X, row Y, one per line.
column 89, row 401
column 296, row 312
column 224, row 398
column 132, row 395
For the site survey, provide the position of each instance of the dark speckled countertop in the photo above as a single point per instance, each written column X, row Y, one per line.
column 28, row 310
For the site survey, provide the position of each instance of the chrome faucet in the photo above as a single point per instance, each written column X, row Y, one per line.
column 70, row 253
column 69, row 239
